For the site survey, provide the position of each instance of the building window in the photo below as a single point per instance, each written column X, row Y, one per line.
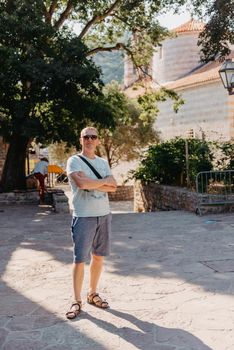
column 191, row 134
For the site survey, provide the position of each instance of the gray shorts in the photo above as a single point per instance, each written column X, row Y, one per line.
column 90, row 235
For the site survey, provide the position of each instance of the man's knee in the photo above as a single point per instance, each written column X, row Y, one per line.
column 97, row 258
column 78, row 265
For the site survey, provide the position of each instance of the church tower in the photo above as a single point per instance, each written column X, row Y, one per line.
column 179, row 55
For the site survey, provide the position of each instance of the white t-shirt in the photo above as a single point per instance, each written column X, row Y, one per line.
column 41, row 167
column 88, row 203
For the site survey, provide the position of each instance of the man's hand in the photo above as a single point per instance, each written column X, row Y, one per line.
column 111, row 181
column 110, row 185
column 106, row 188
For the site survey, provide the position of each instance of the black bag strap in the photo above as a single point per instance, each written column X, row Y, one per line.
column 91, row 167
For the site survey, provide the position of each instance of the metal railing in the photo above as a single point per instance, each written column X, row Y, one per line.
column 214, row 188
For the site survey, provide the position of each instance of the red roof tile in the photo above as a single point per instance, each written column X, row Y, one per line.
column 190, row 26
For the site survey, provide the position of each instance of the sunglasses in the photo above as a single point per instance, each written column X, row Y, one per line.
column 92, row 137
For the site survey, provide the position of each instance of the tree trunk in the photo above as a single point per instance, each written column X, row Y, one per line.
column 13, row 176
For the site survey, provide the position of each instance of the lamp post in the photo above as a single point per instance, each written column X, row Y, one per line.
column 226, row 73
column 189, row 135
column 187, row 162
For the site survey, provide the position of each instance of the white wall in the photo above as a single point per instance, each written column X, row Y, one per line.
column 178, row 57
column 206, row 109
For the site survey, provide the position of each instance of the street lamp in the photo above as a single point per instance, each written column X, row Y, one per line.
column 226, row 73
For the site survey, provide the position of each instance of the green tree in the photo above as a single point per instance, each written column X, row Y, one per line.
column 59, row 152
column 225, row 159
column 48, row 88
column 131, row 133
column 219, row 30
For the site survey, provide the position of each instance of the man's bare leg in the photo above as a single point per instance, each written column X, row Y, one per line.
column 78, row 277
column 95, row 273
column 96, row 265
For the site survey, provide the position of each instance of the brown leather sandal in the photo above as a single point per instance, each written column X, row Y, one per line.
column 96, row 300
column 74, row 311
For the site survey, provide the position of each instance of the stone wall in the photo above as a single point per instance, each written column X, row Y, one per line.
column 19, row 197
column 155, row 197
column 60, row 202
column 56, row 198
column 123, row 193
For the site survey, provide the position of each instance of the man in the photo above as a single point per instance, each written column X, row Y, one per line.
column 91, row 223
column 41, row 172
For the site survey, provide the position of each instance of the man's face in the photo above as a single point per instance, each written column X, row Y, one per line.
column 89, row 139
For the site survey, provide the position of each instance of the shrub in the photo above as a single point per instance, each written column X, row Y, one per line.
column 165, row 163
column 226, row 160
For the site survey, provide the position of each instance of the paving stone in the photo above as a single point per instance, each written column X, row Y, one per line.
column 3, row 335
column 31, row 335
column 23, row 344
column 4, row 320
column 162, row 296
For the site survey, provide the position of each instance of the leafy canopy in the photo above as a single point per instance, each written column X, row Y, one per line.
column 46, row 81
column 107, row 25
column 132, row 131
column 219, row 30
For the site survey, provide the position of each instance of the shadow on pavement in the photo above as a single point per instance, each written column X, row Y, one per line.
column 35, row 258
column 146, row 335
column 24, row 323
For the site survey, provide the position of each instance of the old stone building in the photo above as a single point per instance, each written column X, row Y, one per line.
column 208, row 109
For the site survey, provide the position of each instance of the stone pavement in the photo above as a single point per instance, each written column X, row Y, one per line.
column 169, row 281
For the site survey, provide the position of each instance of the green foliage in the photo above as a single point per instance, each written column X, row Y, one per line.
column 48, row 88
column 134, row 17
column 131, row 134
column 165, row 163
column 225, row 159
column 148, row 102
column 108, row 20
column 46, row 81
column 59, row 152
column 219, row 31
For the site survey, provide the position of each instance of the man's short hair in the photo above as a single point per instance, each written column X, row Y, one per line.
column 83, row 131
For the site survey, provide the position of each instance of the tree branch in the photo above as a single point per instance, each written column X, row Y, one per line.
column 64, row 15
column 121, row 19
column 53, row 6
column 118, row 46
column 98, row 18
column 49, row 13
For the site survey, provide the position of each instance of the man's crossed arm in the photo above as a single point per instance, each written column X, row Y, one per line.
column 108, row 184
